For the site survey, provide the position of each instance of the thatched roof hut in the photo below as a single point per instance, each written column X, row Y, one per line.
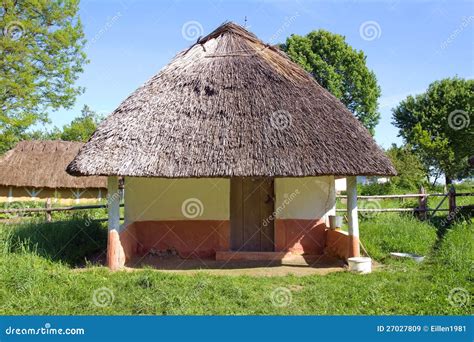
column 231, row 105
column 231, row 148
column 42, row 164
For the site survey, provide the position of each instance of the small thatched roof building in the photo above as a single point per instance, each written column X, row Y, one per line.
column 37, row 169
column 236, row 121
column 231, row 105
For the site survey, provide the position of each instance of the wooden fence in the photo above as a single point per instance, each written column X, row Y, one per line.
column 422, row 209
column 48, row 210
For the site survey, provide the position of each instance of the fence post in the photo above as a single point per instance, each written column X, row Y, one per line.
column 422, row 201
column 452, row 203
column 48, row 212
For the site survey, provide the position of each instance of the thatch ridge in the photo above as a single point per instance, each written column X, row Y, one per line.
column 231, row 105
column 42, row 164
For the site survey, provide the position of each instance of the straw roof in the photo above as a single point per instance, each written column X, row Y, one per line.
column 231, row 105
column 42, row 164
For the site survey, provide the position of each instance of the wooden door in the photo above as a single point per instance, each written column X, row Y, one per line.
column 251, row 210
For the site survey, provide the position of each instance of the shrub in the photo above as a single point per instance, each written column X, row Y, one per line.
column 375, row 189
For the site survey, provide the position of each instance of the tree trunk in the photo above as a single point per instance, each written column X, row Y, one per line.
column 449, row 181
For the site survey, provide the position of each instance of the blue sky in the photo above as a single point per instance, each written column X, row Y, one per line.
column 408, row 44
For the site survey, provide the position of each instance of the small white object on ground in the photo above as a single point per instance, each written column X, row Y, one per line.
column 416, row 257
column 360, row 264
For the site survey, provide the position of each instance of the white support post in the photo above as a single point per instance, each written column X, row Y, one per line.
column 331, row 202
column 353, row 220
column 10, row 194
column 115, row 255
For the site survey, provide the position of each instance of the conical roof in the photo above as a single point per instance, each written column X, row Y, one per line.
column 231, row 105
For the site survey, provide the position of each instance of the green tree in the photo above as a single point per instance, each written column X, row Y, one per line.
column 340, row 69
column 41, row 44
column 82, row 127
column 438, row 124
column 411, row 172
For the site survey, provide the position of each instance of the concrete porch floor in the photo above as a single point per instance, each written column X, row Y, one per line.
column 296, row 265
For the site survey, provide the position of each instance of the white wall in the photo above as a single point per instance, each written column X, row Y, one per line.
column 341, row 184
column 150, row 199
column 304, row 198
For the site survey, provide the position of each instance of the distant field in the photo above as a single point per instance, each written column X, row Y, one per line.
column 39, row 275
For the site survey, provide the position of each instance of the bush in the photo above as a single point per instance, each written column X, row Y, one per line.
column 388, row 232
column 72, row 242
column 376, row 189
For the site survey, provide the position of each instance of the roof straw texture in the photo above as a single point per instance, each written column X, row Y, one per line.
column 42, row 164
column 231, row 105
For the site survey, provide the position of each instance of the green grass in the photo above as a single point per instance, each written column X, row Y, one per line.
column 389, row 232
column 33, row 280
column 70, row 242
column 455, row 253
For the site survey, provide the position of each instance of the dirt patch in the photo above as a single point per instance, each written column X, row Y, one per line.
column 298, row 266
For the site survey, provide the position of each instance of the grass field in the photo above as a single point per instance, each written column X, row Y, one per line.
column 39, row 274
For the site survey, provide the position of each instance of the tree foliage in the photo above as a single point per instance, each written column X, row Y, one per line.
column 340, row 69
column 411, row 173
column 439, row 125
column 41, row 44
column 80, row 129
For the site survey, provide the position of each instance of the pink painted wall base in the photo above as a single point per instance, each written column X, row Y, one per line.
column 204, row 238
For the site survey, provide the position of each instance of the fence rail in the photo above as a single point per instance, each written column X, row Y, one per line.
column 406, row 195
column 51, row 209
column 381, row 210
column 422, row 209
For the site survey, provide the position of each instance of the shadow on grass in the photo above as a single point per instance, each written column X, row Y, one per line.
column 73, row 242
column 444, row 223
